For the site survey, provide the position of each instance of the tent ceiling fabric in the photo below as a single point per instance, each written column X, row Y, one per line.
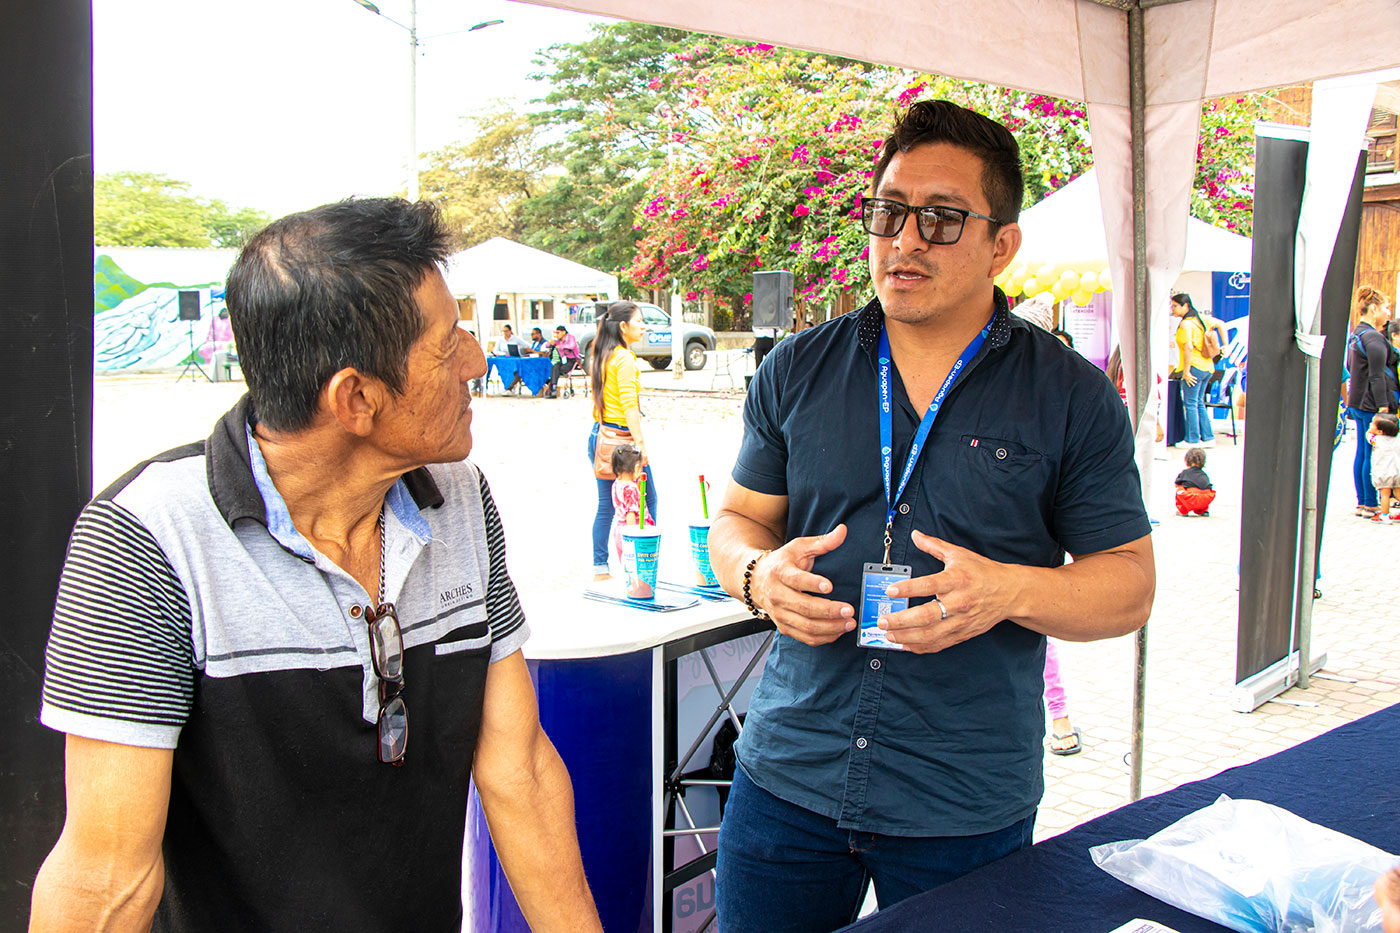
column 1041, row 45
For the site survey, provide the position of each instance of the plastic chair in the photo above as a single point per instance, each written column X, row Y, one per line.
column 1223, row 381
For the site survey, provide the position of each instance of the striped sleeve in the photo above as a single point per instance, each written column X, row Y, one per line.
column 503, row 612
column 120, row 666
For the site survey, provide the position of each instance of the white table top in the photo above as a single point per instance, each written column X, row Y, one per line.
column 565, row 625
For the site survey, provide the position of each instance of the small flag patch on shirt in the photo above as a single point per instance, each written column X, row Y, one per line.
column 974, row 442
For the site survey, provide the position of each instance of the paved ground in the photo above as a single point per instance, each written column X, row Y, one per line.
column 533, row 454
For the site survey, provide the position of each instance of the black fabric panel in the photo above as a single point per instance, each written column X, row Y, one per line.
column 1336, row 312
column 1273, row 447
column 1347, row 779
column 46, row 420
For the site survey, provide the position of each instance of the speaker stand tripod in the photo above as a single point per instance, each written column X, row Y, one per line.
column 193, row 361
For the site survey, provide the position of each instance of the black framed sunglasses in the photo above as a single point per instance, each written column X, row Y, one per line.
column 938, row 224
column 386, row 654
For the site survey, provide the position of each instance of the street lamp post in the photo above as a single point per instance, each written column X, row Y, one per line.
column 413, row 43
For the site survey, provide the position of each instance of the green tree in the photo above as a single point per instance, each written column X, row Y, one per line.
column 485, row 183
column 150, row 209
column 146, row 209
column 229, row 227
column 602, row 115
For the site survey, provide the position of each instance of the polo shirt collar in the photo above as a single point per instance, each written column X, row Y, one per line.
column 234, row 488
column 872, row 318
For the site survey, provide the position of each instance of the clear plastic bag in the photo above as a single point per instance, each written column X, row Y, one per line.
column 1255, row 868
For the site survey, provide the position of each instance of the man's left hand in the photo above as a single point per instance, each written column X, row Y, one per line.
column 974, row 591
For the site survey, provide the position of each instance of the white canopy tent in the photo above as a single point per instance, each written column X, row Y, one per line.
column 1067, row 228
column 1143, row 67
column 504, row 267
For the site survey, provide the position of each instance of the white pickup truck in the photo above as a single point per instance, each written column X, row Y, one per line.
column 655, row 345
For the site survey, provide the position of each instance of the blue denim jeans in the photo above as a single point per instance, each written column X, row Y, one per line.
column 602, row 522
column 784, row 869
column 1193, row 404
column 1361, row 466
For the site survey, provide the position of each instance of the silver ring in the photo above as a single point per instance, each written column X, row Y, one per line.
column 941, row 608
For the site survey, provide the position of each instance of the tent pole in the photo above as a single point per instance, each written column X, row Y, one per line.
column 1307, row 579
column 1142, row 332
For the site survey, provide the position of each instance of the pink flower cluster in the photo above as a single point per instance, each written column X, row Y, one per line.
column 800, row 154
column 654, row 207
column 911, row 94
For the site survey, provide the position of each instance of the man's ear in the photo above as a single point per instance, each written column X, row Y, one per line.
column 354, row 399
column 1008, row 241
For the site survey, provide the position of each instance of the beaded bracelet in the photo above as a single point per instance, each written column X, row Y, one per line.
column 748, row 597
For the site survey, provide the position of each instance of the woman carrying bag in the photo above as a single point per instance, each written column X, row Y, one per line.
column 1368, row 391
column 617, row 416
column 1196, row 367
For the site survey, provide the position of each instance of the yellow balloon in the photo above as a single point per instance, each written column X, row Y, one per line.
column 1020, row 274
column 1046, row 273
column 1105, row 282
column 1032, row 286
column 1081, row 297
column 1088, row 281
column 1012, row 288
column 1060, row 290
column 1070, row 278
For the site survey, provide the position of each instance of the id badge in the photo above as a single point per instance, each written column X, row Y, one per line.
column 875, row 602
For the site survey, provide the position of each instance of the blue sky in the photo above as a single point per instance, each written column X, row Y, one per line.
column 286, row 104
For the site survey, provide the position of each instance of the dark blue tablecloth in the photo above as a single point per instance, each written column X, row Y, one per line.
column 1347, row 779
column 533, row 370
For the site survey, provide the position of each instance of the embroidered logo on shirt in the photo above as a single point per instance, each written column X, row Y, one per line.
column 451, row 599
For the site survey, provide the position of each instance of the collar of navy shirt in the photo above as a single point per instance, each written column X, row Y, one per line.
column 872, row 317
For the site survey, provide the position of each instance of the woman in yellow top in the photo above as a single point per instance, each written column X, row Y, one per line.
column 617, row 389
column 1196, row 369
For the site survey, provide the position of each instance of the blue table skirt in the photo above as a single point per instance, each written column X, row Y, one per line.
column 532, row 370
column 1347, row 779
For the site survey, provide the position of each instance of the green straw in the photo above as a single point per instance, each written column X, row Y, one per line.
column 704, row 503
column 642, row 512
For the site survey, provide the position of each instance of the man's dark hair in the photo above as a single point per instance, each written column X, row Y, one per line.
column 326, row 289
column 942, row 121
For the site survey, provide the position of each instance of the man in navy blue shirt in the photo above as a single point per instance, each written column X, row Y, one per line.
column 935, row 432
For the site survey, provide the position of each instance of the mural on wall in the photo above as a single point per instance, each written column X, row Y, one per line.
column 138, row 326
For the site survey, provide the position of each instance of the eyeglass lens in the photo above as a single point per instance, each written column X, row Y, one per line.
column 386, row 654
column 940, row 225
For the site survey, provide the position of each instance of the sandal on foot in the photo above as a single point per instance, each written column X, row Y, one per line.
column 1074, row 749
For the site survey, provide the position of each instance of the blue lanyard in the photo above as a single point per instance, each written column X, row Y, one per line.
column 925, row 426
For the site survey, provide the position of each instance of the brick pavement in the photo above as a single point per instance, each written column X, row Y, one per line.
column 533, row 454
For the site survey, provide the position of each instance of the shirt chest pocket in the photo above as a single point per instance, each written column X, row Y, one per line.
column 1000, row 472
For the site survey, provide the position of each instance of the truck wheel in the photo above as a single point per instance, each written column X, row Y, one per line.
column 694, row 355
column 659, row 362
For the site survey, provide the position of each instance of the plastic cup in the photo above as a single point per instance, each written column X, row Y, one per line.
column 641, row 548
column 700, row 552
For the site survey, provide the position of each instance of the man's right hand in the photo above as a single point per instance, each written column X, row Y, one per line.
column 783, row 586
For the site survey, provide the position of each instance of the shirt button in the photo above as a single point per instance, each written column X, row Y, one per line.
column 874, row 664
column 1001, row 453
column 904, row 508
column 860, row 742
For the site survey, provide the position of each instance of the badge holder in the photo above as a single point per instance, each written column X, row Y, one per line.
column 875, row 602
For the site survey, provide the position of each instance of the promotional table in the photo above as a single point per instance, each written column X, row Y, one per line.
column 1347, row 779
column 532, row 370
column 633, row 701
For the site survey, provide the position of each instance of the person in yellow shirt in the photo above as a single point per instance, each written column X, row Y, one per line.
column 1196, row 368
column 617, row 388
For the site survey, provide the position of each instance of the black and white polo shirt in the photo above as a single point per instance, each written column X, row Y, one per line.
column 192, row 615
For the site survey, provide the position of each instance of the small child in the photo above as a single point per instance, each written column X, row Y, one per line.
column 626, row 496
column 1194, row 492
column 1385, row 462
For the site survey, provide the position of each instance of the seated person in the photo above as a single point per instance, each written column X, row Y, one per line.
column 537, row 345
column 563, row 356
column 1194, row 492
column 501, row 345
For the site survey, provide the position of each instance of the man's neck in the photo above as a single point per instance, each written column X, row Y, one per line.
column 924, row 352
column 331, row 491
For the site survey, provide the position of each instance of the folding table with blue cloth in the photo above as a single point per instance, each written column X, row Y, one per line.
column 532, row 370
column 1347, row 780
